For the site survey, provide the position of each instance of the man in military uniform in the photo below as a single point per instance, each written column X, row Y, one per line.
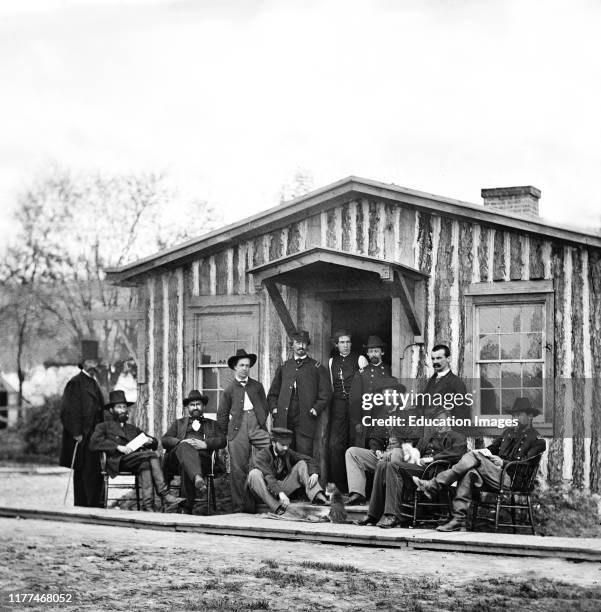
column 366, row 381
column 81, row 411
column 343, row 368
column 486, row 465
column 299, row 393
column 393, row 474
column 242, row 416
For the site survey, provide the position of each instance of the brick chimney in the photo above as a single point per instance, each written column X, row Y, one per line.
column 515, row 200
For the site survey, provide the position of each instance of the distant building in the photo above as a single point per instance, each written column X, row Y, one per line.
column 10, row 413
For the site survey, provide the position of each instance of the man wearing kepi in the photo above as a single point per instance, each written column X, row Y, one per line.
column 81, row 411
column 277, row 472
column 365, row 382
column 115, row 436
column 299, row 393
column 486, row 465
column 189, row 443
column 242, row 415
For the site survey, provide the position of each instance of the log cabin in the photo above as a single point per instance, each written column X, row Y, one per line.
column 517, row 299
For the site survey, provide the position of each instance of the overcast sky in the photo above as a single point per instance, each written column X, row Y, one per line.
column 231, row 97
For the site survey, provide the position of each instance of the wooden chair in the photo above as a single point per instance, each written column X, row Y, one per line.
column 522, row 478
column 420, row 508
column 176, row 487
column 124, row 481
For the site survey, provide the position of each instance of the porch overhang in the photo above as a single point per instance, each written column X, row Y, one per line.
column 322, row 264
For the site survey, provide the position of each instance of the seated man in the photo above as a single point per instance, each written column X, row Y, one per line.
column 380, row 441
column 112, row 437
column 486, row 465
column 277, row 472
column 393, row 474
column 189, row 443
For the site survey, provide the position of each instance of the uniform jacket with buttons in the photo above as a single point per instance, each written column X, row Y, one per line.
column 517, row 443
column 367, row 381
column 231, row 406
column 447, row 385
column 314, row 392
column 265, row 461
column 108, row 435
column 448, row 446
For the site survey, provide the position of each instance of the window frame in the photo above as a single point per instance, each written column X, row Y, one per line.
column 505, row 294
column 210, row 306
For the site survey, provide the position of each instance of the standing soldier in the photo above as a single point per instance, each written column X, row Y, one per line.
column 242, row 415
column 367, row 381
column 299, row 393
column 343, row 368
column 81, row 411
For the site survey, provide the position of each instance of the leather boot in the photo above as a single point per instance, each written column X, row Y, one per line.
column 455, row 524
column 170, row 502
column 146, row 490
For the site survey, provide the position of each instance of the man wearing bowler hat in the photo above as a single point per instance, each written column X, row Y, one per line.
column 299, row 393
column 242, row 415
column 277, row 472
column 189, row 442
column 81, row 410
column 114, row 435
column 485, row 465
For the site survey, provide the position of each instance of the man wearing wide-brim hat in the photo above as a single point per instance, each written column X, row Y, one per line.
column 242, row 416
column 485, row 465
column 114, row 435
column 81, row 410
column 189, row 442
column 367, row 381
column 277, row 472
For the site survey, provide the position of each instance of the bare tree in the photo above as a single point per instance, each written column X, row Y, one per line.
column 301, row 183
column 77, row 226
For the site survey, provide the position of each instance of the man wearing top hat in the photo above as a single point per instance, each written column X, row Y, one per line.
column 189, row 442
column 242, row 415
column 299, row 393
column 113, row 437
column 486, row 465
column 366, row 381
column 277, row 472
column 81, row 410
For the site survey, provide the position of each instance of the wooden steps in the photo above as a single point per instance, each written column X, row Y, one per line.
column 262, row 526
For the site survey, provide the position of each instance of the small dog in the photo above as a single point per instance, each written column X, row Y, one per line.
column 410, row 453
column 337, row 509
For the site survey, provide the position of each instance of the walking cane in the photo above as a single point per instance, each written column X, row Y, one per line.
column 70, row 472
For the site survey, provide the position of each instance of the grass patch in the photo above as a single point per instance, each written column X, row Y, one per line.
column 328, row 566
column 562, row 511
column 282, row 579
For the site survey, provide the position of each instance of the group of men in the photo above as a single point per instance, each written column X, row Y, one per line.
column 270, row 466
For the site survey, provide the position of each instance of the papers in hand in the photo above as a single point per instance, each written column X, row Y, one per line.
column 138, row 442
column 484, row 451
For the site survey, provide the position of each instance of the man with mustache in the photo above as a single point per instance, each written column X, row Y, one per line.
column 444, row 387
column 299, row 393
column 81, row 411
column 113, row 437
column 189, row 443
column 277, row 472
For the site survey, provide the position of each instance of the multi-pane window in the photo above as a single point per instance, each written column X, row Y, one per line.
column 218, row 336
column 510, row 354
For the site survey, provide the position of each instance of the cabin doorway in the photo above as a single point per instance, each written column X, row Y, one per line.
column 363, row 318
